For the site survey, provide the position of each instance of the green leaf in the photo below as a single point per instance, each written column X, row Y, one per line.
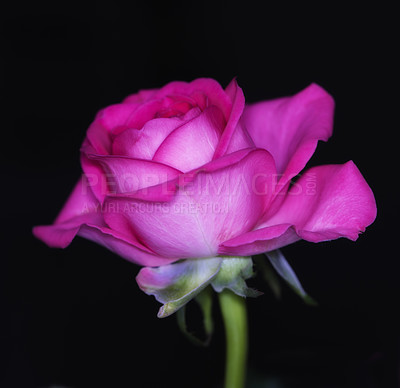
column 284, row 269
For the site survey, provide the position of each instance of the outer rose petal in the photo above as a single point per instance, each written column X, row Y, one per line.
column 218, row 203
column 61, row 235
column 124, row 246
column 81, row 201
column 192, row 144
column 289, row 128
column 340, row 205
column 259, row 241
column 326, row 203
column 81, row 216
column 80, row 208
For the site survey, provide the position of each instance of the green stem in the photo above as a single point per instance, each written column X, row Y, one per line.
column 233, row 309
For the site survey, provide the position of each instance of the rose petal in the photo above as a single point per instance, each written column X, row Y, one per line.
column 126, row 174
column 82, row 215
column 216, row 203
column 143, row 143
column 235, row 136
column 290, row 127
column 105, row 123
column 259, row 241
column 202, row 86
column 93, row 171
column 240, row 139
column 328, row 202
column 124, row 246
column 61, row 235
column 192, row 144
column 166, row 192
column 174, row 285
column 81, row 201
column 163, row 107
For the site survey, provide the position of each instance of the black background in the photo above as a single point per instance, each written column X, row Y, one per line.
column 76, row 317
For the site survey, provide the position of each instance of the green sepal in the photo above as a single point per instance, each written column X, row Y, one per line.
column 269, row 274
column 283, row 268
column 204, row 299
column 176, row 284
column 233, row 273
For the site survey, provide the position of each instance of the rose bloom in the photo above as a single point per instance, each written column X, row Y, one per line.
column 191, row 171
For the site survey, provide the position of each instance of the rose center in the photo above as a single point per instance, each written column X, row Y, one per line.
column 176, row 109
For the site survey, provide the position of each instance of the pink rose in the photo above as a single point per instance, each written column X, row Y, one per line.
column 189, row 171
